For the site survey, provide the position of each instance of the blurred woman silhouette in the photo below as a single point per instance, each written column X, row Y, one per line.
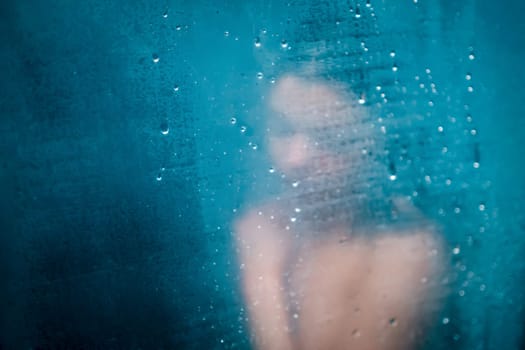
column 323, row 266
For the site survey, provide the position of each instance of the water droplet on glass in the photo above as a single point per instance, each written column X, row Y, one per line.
column 155, row 58
column 392, row 54
column 395, row 67
column 257, row 42
column 284, row 44
column 178, row 27
column 445, row 320
column 233, row 120
column 468, row 76
column 297, row 210
column 448, row 182
column 456, row 251
column 471, row 56
column 226, row 33
column 243, row 129
column 357, row 13
column 392, row 171
column 473, row 132
column 470, row 88
column 271, row 170
column 475, row 165
column 482, row 207
column 393, row 322
column 260, row 75
column 457, row 210
column 295, row 183
column 176, row 88
column 440, row 128
column 165, row 14
column 356, row 333
column 361, row 100
column 293, row 219
column 159, row 177
column 164, row 128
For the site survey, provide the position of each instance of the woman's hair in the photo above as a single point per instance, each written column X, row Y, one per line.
column 341, row 180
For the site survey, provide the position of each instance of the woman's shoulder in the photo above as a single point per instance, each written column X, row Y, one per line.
column 261, row 217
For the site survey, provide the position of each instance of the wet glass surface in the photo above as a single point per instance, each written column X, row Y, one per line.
column 137, row 136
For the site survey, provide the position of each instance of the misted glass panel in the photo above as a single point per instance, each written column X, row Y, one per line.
column 262, row 175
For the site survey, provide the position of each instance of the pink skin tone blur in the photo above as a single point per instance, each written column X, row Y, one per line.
column 331, row 293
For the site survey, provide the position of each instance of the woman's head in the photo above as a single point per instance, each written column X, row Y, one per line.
column 313, row 127
column 318, row 136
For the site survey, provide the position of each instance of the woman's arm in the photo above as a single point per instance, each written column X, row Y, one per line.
column 262, row 251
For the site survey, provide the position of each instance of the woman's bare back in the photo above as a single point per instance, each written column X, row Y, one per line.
column 336, row 293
